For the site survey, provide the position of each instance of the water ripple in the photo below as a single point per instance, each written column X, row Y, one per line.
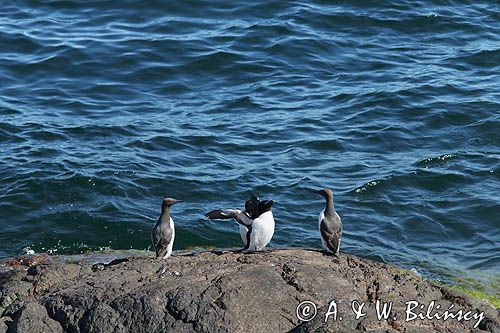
column 104, row 110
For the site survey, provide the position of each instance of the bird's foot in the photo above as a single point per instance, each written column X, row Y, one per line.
column 336, row 257
column 160, row 271
column 243, row 250
column 328, row 253
column 220, row 252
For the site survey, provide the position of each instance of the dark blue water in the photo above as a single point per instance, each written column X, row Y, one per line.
column 107, row 107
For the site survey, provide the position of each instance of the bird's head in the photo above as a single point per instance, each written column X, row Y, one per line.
column 265, row 206
column 252, row 206
column 325, row 193
column 168, row 202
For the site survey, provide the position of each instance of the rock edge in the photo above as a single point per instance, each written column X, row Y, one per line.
column 224, row 291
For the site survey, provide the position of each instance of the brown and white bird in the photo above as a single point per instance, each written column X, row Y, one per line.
column 256, row 222
column 329, row 224
column 163, row 232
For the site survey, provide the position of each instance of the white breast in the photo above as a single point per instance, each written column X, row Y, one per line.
column 262, row 231
column 171, row 244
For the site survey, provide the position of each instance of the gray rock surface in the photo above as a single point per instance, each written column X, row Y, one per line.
column 33, row 317
column 224, row 291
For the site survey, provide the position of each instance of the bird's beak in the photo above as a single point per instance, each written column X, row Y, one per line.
column 177, row 201
column 267, row 203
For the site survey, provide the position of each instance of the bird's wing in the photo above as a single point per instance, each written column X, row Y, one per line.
column 161, row 238
column 241, row 217
column 331, row 235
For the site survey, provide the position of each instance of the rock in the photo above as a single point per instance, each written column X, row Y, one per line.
column 4, row 324
column 24, row 261
column 13, row 290
column 225, row 291
column 32, row 318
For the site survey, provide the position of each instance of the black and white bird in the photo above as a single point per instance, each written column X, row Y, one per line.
column 163, row 232
column 329, row 224
column 256, row 222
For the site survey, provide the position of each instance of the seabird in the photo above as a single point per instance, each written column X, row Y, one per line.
column 256, row 222
column 329, row 224
column 163, row 232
